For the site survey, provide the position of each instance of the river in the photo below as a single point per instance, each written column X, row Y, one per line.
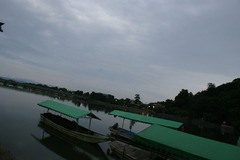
column 21, row 134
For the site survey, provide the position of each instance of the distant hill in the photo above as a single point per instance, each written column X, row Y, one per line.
column 21, row 80
column 215, row 104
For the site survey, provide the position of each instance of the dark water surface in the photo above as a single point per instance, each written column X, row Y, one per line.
column 20, row 133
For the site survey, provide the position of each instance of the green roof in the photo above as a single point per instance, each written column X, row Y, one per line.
column 65, row 109
column 146, row 119
column 186, row 145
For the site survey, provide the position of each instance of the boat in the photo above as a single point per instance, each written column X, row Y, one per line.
column 184, row 145
column 130, row 152
column 120, row 132
column 65, row 127
column 66, row 147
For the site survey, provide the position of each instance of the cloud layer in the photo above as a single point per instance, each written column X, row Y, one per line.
column 153, row 48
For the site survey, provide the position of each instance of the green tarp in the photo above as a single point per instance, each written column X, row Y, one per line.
column 186, row 145
column 65, row 109
column 146, row 119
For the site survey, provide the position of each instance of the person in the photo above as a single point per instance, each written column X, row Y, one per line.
column 182, row 128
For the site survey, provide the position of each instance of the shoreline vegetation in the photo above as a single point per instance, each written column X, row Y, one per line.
column 5, row 154
column 77, row 97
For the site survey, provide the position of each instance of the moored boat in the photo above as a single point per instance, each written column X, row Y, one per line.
column 184, row 145
column 66, row 147
column 68, row 128
column 130, row 152
column 120, row 132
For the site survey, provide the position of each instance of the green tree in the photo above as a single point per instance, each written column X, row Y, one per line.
column 182, row 98
column 78, row 92
column 211, row 86
column 137, row 99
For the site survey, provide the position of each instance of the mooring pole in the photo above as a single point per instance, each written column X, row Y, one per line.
column 77, row 124
column 123, row 122
column 90, row 123
column 43, row 134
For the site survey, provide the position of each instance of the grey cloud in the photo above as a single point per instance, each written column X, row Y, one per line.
column 155, row 48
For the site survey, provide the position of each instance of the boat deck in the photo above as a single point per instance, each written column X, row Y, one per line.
column 126, row 151
column 121, row 133
column 71, row 125
column 69, row 128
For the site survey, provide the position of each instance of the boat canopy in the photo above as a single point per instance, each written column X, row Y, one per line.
column 186, row 145
column 66, row 110
column 146, row 119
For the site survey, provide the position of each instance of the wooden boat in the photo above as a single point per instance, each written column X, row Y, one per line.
column 66, row 147
column 130, row 152
column 120, row 132
column 184, row 145
column 69, row 128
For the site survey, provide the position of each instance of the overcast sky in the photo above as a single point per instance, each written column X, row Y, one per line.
column 153, row 48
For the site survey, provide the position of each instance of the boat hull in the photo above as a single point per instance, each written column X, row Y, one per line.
column 121, row 133
column 91, row 138
column 130, row 152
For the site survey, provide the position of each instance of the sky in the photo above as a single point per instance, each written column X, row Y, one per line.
column 154, row 48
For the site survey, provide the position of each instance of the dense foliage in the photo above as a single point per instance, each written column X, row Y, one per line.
column 215, row 104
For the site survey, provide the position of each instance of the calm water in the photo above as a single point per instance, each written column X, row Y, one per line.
column 20, row 133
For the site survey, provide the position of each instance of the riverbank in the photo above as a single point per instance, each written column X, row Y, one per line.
column 5, row 154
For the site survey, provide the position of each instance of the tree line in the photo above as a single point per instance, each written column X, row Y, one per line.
column 215, row 104
column 64, row 93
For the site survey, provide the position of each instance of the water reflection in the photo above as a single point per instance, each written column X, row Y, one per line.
column 67, row 148
column 92, row 107
column 132, row 123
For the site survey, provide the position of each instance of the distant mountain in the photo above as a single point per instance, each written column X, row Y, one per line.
column 22, row 80
column 25, row 81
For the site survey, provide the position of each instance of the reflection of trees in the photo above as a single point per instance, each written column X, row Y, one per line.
column 77, row 103
column 92, row 107
column 99, row 108
column 132, row 123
